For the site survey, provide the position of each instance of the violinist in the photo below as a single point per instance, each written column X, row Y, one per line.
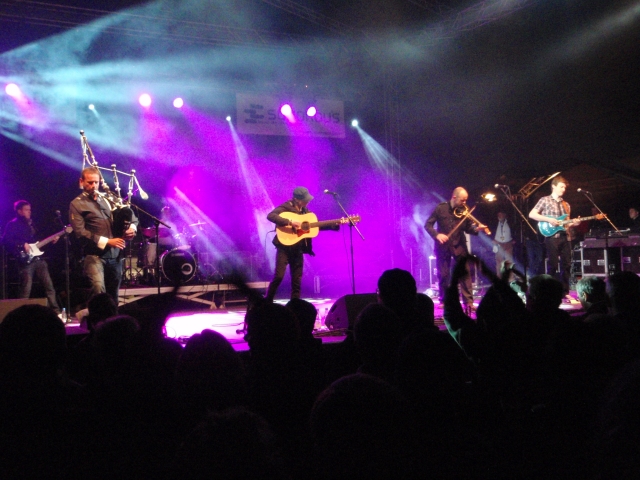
column 453, row 220
column 92, row 221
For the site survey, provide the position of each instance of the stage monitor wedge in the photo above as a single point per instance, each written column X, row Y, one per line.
column 343, row 313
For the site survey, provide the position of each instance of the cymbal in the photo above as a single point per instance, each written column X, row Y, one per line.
column 151, row 232
column 197, row 224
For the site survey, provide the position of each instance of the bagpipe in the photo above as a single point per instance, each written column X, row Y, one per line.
column 121, row 211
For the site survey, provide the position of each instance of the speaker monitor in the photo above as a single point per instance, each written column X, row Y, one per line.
column 7, row 306
column 343, row 313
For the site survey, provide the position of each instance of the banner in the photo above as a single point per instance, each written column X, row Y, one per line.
column 260, row 115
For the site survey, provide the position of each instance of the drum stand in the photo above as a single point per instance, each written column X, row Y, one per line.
column 132, row 271
column 156, row 222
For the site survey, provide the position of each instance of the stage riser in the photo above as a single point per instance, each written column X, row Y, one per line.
column 7, row 306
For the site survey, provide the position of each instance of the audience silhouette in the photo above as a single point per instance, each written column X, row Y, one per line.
column 524, row 390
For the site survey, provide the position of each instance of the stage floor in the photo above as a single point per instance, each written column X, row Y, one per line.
column 229, row 321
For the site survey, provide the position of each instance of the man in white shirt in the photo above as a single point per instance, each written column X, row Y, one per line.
column 502, row 242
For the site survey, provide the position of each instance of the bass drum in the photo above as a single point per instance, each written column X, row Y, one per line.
column 178, row 266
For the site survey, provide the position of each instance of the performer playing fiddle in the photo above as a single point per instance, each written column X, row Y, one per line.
column 453, row 222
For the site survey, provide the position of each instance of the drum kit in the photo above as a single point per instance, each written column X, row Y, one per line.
column 181, row 258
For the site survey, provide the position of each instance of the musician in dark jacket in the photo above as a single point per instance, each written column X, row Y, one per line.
column 93, row 223
column 19, row 233
column 449, row 245
column 291, row 255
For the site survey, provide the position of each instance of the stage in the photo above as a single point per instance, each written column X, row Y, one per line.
column 228, row 318
column 215, row 295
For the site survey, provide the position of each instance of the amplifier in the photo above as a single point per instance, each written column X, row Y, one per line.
column 631, row 259
column 612, row 241
column 593, row 261
column 599, row 261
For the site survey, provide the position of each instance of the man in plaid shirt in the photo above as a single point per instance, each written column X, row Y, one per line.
column 558, row 245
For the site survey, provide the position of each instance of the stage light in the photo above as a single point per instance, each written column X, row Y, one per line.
column 178, row 102
column 145, row 100
column 91, row 106
column 228, row 118
column 286, row 110
column 354, row 123
column 488, row 197
column 311, row 111
column 12, row 90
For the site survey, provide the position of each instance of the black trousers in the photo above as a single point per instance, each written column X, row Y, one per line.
column 38, row 268
column 445, row 260
column 294, row 259
column 559, row 247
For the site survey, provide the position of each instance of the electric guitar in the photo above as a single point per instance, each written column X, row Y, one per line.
column 309, row 228
column 34, row 248
column 549, row 230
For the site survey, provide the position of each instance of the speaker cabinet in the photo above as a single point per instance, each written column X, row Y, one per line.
column 631, row 259
column 343, row 313
column 594, row 261
column 7, row 306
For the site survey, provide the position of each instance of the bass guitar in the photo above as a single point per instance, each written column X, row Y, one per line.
column 549, row 230
column 34, row 248
column 309, row 228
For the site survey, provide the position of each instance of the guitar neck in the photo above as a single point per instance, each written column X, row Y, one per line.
column 50, row 239
column 324, row 223
column 582, row 219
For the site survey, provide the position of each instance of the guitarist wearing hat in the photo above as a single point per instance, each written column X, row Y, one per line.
column 292, row 255
column 553, row 215
column 20, row 235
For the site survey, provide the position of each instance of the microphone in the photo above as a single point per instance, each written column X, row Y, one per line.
column 329, row 192
column 497, row 185
column 58, row 213
column 143, row 194
column 582, row 190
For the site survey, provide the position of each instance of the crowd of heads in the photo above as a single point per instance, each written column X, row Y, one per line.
column 523, row 390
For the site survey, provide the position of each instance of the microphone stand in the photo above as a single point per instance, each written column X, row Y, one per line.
column 352, row 225
column 606, row 238
column 3, row 272
column 588, row 195
column 66, row 265
column 156, row 223
column 507, row 193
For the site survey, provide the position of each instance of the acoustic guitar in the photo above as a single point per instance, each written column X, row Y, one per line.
column 309, row 228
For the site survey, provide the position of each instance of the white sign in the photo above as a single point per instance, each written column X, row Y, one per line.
column 260, row 115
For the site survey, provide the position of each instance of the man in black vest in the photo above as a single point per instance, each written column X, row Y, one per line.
column 92, row 221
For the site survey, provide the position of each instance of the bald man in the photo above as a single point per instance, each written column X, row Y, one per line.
column 451, row 246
